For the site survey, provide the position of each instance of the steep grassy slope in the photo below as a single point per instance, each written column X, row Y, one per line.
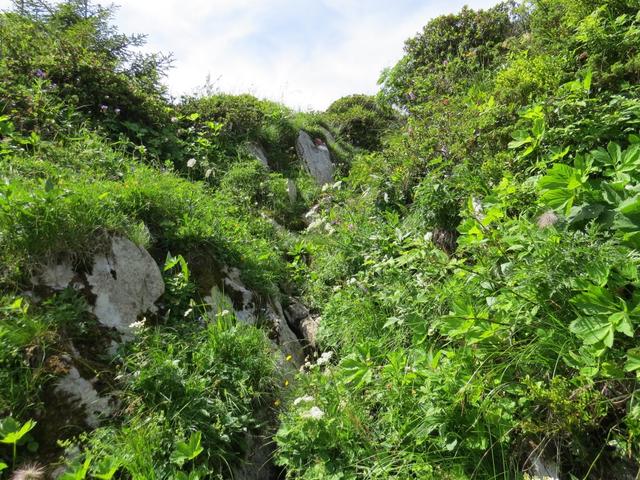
column 475, row 265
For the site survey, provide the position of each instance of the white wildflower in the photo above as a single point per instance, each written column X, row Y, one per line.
column 315, row 413
column 138, row 325
column 478, row 210
column 208, row 173
column 316, row 224
column 306, row 398
column 324, row 358
column 191, row 162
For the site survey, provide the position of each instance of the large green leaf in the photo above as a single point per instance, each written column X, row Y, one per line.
column 601, row 314
column 593, row 331
column 357, row 370
column 630, row 161
column 520, row 138
column 12, row 434
column 596, row 301
column 560, row 186
column 630, row 206
column 186, row 451
column 633, row 360
column 77, row 472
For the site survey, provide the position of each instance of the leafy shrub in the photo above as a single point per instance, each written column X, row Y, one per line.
column 467, row 358
column 61, row 60
column 209, row 381
column 43, row 219
column 360, row 120
column 526, row 78
column 448, row 50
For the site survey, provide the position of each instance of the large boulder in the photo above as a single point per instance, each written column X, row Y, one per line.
column 286, row 339
column 316, row 158
column 126, row 283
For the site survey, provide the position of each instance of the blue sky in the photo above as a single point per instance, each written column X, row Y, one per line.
column 305, row 53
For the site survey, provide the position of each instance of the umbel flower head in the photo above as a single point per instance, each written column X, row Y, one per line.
column 30, row 471
column 324, row 358
column 306, row 398
column 314, row 413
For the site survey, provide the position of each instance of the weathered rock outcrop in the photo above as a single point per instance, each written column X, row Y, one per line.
column 543, row 468
column 56, row 276
column 315, row 157
column 257, row 463
column 250, row 308
column 123, row 285
column 83, row 393
column 126, row 283
column 302, row 322
column 328, row 135
column 258, row 152
column 292, row 190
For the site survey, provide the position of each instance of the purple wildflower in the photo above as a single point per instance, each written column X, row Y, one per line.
column 104, row 108
column 39, row 73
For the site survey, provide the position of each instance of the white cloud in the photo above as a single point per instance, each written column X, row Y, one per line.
column 305, row 53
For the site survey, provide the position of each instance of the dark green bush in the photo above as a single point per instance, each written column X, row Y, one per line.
column 63, row 56
column 360, row 120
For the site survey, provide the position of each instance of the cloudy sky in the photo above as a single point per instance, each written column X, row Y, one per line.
column 305, row 53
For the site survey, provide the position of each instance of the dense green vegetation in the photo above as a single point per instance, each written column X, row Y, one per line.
column 475, row 265
column 479, row 291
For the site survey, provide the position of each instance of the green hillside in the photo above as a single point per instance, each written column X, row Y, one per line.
column 440, row 281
